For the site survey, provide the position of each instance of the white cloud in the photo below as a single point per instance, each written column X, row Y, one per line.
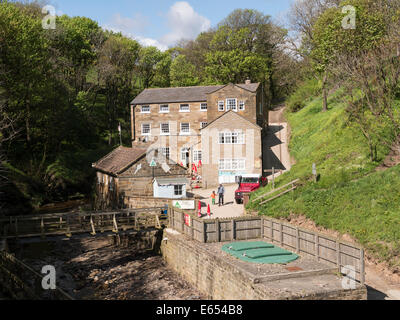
column 137, row 24
column 184, row 22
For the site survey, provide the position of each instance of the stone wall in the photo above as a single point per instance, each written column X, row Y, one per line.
column 220, row 280
column 251, row 150
column 144, row 202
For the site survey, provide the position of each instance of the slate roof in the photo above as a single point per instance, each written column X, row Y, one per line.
column 183, row 94
column 120, row 159
column 226, row 113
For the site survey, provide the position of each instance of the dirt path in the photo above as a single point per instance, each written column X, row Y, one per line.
column 276, row 143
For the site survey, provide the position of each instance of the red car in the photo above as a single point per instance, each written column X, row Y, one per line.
column 247, row 184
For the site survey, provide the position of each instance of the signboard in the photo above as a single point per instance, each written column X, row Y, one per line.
column 153, row 163
column 188, row 220
column 185, row 204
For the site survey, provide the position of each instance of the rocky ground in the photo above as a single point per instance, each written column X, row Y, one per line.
column 89, row 269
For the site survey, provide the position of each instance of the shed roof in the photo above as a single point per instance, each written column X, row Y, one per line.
column 171, row 181
column 120, row 159
column 183, row 94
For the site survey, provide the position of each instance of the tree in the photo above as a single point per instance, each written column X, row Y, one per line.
column 183, row 73
column 117, row 60
column 152, row 63
column 366, row 58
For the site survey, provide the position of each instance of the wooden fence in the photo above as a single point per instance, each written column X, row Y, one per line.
column 81, row 222
column 324, row 249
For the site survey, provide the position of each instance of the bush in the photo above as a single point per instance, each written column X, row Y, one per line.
column 308, row 90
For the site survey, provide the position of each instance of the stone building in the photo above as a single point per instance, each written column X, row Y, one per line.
column 173, row 121
column 129, row 173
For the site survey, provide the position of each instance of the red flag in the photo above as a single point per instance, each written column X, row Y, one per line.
column 194, row 168
column 209, row 211
column 199, row 209
column 200, row 164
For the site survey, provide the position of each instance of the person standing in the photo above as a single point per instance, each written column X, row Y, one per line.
column 221, row 193
column 213, row 196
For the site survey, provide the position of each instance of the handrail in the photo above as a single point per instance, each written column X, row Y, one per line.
column 77, row 214
column 275, row 190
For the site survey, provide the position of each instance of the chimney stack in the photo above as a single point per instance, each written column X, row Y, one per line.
column 248, row 81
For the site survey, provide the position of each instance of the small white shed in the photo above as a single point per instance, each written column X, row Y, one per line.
column 170, row 188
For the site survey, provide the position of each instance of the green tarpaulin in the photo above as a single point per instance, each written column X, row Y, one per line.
column 259, row 252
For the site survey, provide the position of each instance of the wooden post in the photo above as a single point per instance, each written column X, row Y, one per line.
column 204, row 232
column 16, row 227
column 362, row 267
column 273, row 178
column 115, row 224
column 41, row 227
column 262, row 227
column 272, row 231
column 338, row 255
column 92, row 225
column 317, row 247
column 297, row 240
column 217, row 228
column 314, row 171
column 233, row 229
column 183, row 222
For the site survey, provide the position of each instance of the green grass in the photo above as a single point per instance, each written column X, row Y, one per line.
column 350, row 197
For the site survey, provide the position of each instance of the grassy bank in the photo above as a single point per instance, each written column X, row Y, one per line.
column 350, row 197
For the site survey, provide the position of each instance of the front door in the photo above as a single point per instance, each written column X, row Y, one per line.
column 185, row 157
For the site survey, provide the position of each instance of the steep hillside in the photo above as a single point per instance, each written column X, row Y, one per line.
column 350, row 197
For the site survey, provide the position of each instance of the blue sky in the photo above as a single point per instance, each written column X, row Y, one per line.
column 164, row 22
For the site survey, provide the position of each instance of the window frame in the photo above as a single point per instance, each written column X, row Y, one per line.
column 184, row 111
column 164, row 105
column 228, row 107
column 197, row 156
column 145, row 112
column 221, row 106
column 242, row 105
column 202, row 105
column 227, row 137
column 185, row 133
column 161, row 129
column 178, row 192
column 146, row 134
column 201, row 125
column 228, row 164
column 165, row 151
